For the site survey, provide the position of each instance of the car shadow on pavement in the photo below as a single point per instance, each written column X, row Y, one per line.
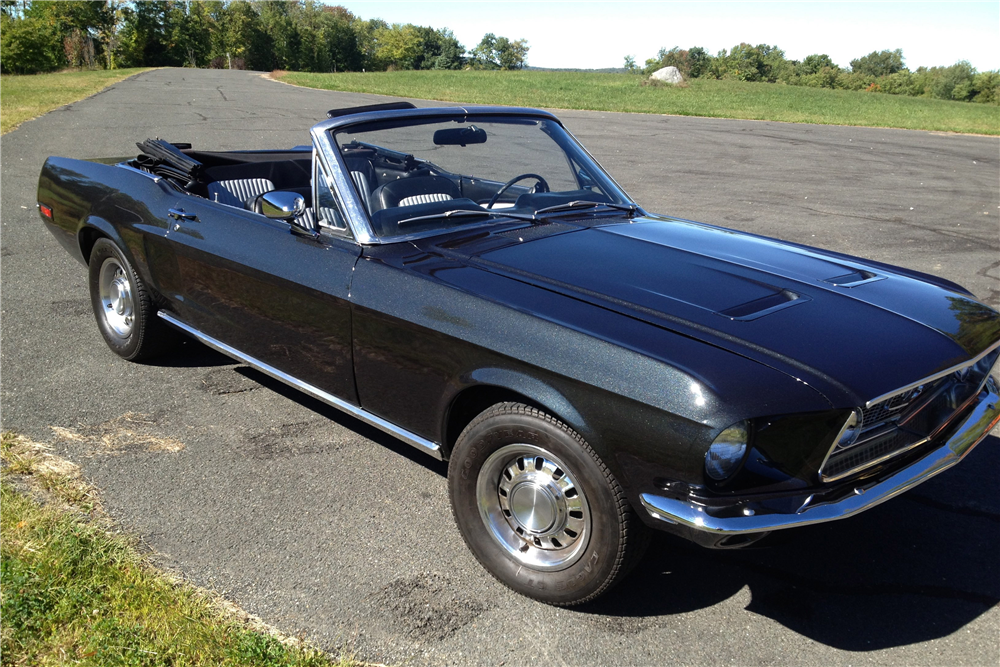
column 345, row 420
column 916, row 568
column 191, row 354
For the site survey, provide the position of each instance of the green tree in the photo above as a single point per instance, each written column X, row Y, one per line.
column 190, row 37
column 499, row 53
column 367, row 32
column 279, row 36
column 452, row 55
column 630, row 65
column 28, row 45
column 143, row 35
column 814, row 63
column 699, row 61
column 879, row 63
column 399, row 46
column 341, row 40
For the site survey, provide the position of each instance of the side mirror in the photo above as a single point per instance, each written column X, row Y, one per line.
column 280, row 205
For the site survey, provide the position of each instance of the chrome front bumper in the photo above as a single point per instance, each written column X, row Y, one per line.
column 754, row 517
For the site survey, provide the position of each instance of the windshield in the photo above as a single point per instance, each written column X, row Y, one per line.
column 420, row 175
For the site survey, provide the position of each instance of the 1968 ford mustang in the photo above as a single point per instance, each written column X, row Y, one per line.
column 471, row 281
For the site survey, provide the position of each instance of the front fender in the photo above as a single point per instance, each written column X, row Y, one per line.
column 545, row 395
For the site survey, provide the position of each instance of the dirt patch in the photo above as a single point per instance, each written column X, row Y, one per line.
column 33, row 469
column 620, row 626
column 132, row 431
column 224, row 381
column 428, row 606
column 70, row 307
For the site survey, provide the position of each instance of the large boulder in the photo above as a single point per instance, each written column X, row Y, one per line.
column 667, row 75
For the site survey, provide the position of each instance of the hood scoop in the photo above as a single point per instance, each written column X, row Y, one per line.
column 854, row 278
column 751, row 310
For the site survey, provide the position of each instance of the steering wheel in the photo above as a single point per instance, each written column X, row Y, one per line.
column 541, row 186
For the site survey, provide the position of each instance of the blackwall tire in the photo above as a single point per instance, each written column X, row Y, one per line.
column 123, row 306
column 539, row 509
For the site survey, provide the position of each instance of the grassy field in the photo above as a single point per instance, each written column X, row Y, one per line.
column 29, row 96
column 73, row 592
column 626, row 92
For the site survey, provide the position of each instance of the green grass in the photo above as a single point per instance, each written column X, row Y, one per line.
column 626, row 92
column 23, row 97
column 71, row 592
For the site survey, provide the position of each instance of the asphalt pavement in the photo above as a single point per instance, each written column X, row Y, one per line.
column 325, row 527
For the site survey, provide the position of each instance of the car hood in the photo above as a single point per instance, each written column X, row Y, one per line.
column 852, row 329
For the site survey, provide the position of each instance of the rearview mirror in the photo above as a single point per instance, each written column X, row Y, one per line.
column 460, row 136
column 280, row 205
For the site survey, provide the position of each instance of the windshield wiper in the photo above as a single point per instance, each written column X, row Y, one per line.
column 582, row 204
column 465, row 213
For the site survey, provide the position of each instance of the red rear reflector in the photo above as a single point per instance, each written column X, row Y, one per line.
column 46, row 211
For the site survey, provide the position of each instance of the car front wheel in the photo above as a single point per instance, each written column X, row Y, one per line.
column 539, row 509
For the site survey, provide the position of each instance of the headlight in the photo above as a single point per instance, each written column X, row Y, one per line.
column 727, row 451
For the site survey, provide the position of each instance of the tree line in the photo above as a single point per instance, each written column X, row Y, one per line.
column 300, row 35
column 879, row 71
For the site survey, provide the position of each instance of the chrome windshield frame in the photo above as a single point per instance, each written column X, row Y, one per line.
column 330, row 157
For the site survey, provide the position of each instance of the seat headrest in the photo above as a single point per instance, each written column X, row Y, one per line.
column 393, row 192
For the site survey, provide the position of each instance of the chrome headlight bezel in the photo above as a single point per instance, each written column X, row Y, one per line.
column 851, row 430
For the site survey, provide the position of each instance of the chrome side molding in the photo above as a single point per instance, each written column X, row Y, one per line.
column 428, row 447
column 758, row 518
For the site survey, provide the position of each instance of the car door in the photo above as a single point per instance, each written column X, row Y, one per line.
column 252, row 283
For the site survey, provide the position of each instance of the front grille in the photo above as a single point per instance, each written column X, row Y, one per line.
column 905, row 420
column 861, row 456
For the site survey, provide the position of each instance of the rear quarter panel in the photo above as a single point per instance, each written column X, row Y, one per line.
column 118, row 203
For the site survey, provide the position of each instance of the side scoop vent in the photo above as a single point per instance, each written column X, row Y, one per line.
column 854, row 278
column 751, row 310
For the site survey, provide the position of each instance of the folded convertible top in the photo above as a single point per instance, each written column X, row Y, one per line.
column 167, row 160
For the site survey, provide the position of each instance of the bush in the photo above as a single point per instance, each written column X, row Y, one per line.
column 986, row 88
column 824, row 78
column 28, row 46
column 953, row 83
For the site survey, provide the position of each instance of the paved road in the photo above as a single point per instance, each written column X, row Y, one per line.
column 322, row 525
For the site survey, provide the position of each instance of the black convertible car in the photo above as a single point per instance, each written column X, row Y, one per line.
column 471, row 281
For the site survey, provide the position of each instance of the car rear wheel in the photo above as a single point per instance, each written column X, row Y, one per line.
column 539, row 509
column 123, row 306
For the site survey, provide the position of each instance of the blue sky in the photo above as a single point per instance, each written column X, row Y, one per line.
column 600, row 34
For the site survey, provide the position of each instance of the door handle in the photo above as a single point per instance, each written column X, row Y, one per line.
column 179, row 214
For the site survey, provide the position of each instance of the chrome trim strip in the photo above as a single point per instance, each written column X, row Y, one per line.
column 767, row 311
column 422, row 112
column 936, row 376
column 868, row 464
column 342, row 187
column 757, row 518
column 856, row 283
column 154, row 177
column 420, row 443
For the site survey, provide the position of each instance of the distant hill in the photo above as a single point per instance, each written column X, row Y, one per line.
column 605, row 70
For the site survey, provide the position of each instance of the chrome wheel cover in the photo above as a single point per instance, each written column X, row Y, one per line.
column 115, row 291
column 532, row 505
